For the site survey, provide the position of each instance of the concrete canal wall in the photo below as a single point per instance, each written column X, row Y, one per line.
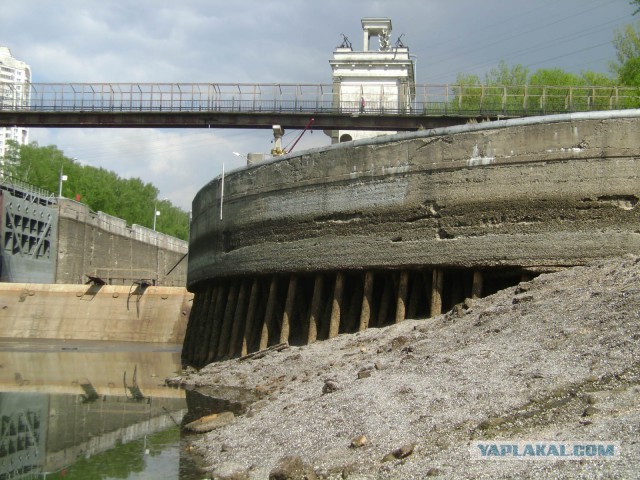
column 98, row 244
column 57, row 240
column 368, row 233
column 94, row 312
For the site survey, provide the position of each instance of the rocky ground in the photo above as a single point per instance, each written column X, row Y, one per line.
column 554, row 359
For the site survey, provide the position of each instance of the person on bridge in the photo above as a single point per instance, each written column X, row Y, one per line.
column 362, row 104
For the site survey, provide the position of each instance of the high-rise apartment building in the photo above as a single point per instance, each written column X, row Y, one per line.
column 14, row 92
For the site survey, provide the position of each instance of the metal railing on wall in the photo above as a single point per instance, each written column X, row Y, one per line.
column 316, row 98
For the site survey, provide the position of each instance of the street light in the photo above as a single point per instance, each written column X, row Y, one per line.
column 63, row 178
column 156, row 214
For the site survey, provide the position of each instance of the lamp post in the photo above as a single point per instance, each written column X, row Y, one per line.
column 156, row 214
column 63, row 178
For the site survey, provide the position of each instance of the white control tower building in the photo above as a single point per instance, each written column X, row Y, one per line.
column 379, row 79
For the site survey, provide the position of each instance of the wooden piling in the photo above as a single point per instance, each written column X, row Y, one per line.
column 437, row 286
column 207, row 321
column 385, row 300
column 336, row 306
column 251, row 314
column 216, row 319
column 367, row 298
column 415, row 296
column 268, row 317
column 402, row 296
column 238, row 320
column 314, row 315
column 190, row 340
column 476, row 286
column 225, row 331
column 288, row 309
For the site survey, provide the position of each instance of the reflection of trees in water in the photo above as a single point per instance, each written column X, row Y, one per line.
column 124, row 459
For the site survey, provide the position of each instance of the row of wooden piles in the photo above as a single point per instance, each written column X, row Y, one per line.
column 232, row 317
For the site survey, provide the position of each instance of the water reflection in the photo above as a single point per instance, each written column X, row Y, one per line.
column 89, row 410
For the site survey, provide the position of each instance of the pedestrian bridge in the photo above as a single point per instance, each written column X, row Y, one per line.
column 242, row 105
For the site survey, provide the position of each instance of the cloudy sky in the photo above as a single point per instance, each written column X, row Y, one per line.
column 269, row 41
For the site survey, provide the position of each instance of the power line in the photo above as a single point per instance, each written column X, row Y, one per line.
column 582, row 33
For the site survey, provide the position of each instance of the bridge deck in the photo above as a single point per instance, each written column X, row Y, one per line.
column 137, row 105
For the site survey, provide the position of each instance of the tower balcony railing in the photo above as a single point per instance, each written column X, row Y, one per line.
column 426, row 100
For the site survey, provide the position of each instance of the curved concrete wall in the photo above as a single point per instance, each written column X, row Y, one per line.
column 405, row 225
column 530, row 193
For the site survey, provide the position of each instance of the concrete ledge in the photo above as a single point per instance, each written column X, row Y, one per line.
column 82, row 312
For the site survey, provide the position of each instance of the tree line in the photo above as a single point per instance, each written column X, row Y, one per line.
column 515, row 88
column 101, row 190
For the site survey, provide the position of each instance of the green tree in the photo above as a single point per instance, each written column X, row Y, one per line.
column 128, row 198
column 627, row 44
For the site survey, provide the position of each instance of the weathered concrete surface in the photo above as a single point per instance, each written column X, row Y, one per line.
column 83, row 312
column 529, row 193
column 92, row 243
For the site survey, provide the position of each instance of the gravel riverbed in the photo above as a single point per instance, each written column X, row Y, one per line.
column 556, row 359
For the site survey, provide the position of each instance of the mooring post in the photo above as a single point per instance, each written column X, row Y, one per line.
column 288, row 309
column 436, row 292
column 476, row 286
column 316, row 302
column 402, row 296
column 367, row 297
column 268, row 317
column 251, row 313
column 336, row 306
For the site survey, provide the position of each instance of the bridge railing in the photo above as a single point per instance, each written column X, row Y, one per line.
column 464, row 100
